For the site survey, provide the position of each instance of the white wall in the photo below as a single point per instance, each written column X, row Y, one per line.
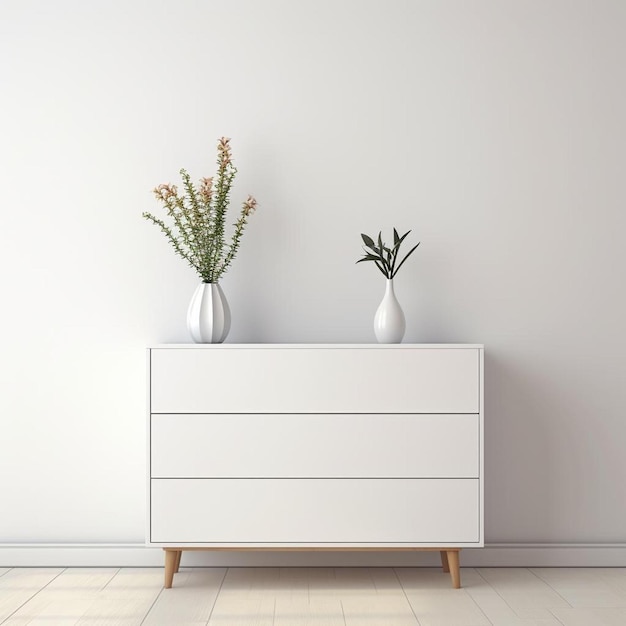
column 493, row 128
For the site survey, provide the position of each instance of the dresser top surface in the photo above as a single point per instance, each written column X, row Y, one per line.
column 319, row 346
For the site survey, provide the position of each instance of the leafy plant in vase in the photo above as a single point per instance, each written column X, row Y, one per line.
column 389, row 322
column 198, row 235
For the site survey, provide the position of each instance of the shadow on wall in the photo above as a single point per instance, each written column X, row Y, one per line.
column 539, row 421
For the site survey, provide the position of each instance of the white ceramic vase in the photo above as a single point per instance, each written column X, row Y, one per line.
column 208, row 316
column 389, row 322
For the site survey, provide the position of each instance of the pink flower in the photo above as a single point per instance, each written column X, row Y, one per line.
column 165, row 192
column 249, row 206
column 206, row 188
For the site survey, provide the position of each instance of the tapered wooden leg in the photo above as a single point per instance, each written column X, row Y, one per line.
column 444, row 561
column 455, row 572
column 178, row 555
column 170, row 566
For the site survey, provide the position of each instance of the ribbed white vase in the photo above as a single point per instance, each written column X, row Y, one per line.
column 208, row 316
column 389, row 322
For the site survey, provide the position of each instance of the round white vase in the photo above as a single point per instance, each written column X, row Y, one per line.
column 208, row 316
column 389, row 322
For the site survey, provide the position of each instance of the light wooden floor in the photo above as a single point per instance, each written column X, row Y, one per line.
column 312, row 596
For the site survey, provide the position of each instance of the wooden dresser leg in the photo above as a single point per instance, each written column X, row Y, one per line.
column 170, row 566
column 179, row 554
column 444, row 562
column 455, row 572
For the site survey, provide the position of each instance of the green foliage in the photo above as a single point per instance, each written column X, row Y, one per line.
column 198, row 218
column 384, row 257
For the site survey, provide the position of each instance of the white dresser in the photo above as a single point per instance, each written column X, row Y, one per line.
column 326, row 447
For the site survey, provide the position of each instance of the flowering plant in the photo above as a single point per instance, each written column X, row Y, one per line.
column 384, row 257
column 198, row 217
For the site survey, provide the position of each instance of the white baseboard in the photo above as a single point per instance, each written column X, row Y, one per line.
column 137, row 555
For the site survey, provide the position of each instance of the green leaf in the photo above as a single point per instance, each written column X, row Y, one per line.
column 396, row 251
column 397, row 245
column 375, row 252
column 406, row 257
column 388, row 260
column 382, row 255
column 396, row 237
column 368, row 241
column 369, row 257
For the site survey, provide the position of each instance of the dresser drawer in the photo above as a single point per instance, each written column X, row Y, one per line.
column 314, row 446
column 314, row 511
column 314, row 380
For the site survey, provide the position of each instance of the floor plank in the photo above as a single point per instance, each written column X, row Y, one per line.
column 435, row 603
column 19, row 585
column 591, row 616
column 126, row 599
column 615, row 577
column 252, row 610
column 248, row 597
column 300, row 610
column 322, row 583
column 65, row 599
column 313, row 597
column 528, row 595
column 372, row 596
column 376, row 610
column 190, row 601
column 491, row 603
column 581, row 587
column 296, row 604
